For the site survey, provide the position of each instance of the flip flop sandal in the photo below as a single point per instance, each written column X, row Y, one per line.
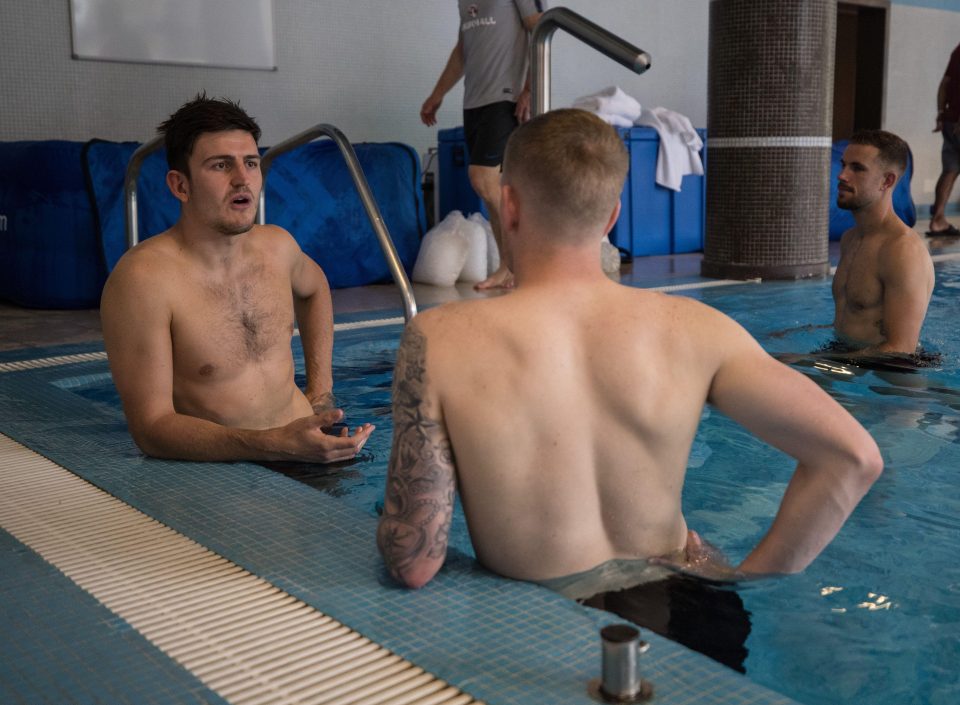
column 949, row 231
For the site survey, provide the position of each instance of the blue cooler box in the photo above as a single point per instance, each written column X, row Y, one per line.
column 454, row 192
column 653, row 220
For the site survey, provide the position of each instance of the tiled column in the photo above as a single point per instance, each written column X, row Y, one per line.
column 769, row 118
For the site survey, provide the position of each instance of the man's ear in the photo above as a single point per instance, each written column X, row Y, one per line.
column 613, row 218
column 179, row 185
column 889, row 180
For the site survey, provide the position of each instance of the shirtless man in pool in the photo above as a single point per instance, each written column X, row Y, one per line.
column 885, row 278
column 198, row 320
column 564, row 413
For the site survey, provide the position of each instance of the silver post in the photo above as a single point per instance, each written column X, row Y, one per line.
column 621, row 668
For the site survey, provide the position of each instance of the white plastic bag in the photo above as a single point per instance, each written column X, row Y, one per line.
column 443, row 252
column 475, row 267
column 609, row 256
column 493, row 254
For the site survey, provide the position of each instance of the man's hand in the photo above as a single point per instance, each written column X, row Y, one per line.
column 307, row 441
column 428, row 112
column 700, row 559
column 522, row 111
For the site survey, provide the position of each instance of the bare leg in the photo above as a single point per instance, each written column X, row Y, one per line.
column 941, row 195
column 486, row 182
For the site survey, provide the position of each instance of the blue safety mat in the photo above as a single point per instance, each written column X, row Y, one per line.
column 309, row 192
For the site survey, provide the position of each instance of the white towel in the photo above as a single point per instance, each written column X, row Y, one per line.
column 680, row 146
column 611, row 105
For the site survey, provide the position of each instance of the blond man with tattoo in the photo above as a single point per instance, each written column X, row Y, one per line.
column 564, row 413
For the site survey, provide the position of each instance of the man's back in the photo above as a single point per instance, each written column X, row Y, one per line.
column 571, row 421
column 564, row 412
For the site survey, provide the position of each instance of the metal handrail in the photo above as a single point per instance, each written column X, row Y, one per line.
column 366, row 197
column 346, row 149
column 130, row 187
column 586, row 31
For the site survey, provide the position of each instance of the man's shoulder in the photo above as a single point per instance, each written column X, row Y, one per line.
column 450, row 317
column 147, row 257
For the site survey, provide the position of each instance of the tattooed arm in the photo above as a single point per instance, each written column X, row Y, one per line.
column 412, row 536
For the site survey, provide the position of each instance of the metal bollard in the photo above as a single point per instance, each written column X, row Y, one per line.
column 621, row 681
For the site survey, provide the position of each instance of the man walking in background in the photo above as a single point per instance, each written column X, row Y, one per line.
column 491, row 57
column 948, row 115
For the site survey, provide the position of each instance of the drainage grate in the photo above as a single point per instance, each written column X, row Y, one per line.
column 247, row 640
column 51, row 361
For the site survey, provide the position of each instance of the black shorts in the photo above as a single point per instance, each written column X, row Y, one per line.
column 950, row 152
column 486, row 130
column 702, row 615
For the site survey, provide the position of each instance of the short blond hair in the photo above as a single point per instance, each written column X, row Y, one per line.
column 569, row 166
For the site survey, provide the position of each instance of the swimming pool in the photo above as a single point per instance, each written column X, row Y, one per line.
column 876, row 618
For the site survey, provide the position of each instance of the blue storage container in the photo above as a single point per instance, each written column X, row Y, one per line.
column 49, row 250
column 454, row 192
column 653, row 220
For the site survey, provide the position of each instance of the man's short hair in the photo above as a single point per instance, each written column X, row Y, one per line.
column 201, row 115
column 570, row 166
column 894, row 152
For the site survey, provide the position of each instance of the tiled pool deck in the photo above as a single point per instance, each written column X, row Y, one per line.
column 500, row 641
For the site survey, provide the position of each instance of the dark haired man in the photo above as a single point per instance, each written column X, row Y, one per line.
column 599, row 388
column 198, row 320
column 884, row 279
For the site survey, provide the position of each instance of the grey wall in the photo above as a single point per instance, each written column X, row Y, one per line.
column 363, row 65
column 367, row 65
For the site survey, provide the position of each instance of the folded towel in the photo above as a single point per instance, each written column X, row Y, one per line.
column 611, row 104
column 680, row 146
column 615, row 120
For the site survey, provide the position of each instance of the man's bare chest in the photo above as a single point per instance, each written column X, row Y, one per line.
column 228, row 326
column 857, row 282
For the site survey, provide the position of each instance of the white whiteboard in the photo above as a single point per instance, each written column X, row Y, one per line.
column 229, row 33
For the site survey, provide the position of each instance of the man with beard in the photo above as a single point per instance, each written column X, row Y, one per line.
column 198, row 320
column 884, row 279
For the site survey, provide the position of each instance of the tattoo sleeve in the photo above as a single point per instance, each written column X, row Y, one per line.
column 420, row 487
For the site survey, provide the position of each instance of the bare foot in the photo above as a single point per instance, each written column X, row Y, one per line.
column 501, row 279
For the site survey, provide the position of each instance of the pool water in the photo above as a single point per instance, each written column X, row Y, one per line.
column 876, row 618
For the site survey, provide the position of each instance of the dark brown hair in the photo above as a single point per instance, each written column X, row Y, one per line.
column 201, row 115
column 894, row 152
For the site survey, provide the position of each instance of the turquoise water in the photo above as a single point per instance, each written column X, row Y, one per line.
column 876, row 618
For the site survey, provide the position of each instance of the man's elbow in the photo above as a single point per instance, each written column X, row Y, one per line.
column 414, row 577
column 408, row 568
column 149, row 442
column 866, row 463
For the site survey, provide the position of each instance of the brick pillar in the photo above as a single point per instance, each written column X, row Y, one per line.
column 769, row 121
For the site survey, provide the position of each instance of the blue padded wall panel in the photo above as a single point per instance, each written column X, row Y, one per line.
column 49, row 254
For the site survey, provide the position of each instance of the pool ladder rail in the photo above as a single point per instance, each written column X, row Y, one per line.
column 356, row 173
column 590, row 33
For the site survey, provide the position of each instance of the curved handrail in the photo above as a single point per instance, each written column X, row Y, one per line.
column 586, row 31
column 130, row 187
column 366, row 197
